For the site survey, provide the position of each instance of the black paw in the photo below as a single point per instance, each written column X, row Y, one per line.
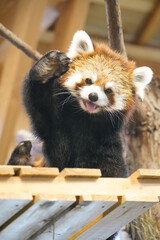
column 21, row 154
column 52, row 65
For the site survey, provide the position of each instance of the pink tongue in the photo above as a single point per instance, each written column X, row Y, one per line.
column 90, row 106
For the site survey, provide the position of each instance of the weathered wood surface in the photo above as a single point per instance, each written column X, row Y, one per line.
column 73, row 204
column 12, row 203
column 125, row 211
column 48, row 234
column 34, row 218
column 79, row 172
column 39, row 171
column 88, row 208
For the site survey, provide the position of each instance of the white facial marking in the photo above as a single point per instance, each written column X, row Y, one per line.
column 94, row 77
column 119, row 102
column 109, row 84
column 72, row 80
column 102, row 98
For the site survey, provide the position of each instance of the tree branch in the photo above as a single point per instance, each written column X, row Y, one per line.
column 114, row 26
column 27, row 49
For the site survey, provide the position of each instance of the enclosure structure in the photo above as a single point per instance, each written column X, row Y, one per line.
column 41, row 203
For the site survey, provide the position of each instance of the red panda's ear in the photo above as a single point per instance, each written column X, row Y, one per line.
column 142, row 77
column 80, row 44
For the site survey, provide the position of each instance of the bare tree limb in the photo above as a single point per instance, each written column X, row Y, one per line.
column 114, row 26
column 27, row 49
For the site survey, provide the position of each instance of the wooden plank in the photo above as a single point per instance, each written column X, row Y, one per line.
column 88, row 208
column 12, row 203
column 39, row 171
column 79, row 186
column 80, row 172
column 6, row 171
column 23, row 171
column 48, row 234
column 45, row 208
column 116, row 217
column 15, row 67
column 150, row 25
column 71, row 19
column 146, row 173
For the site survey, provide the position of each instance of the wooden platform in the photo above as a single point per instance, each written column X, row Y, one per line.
column 41, row 203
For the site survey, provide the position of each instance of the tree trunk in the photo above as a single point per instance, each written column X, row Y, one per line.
column 143, row 132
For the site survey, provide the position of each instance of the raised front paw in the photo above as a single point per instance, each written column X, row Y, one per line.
column 52, row 65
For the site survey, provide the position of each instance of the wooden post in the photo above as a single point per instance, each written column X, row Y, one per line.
column 71, row 19
column 114, row 26
column 26, row 26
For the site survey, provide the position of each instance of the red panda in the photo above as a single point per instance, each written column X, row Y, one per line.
column 110, row 76
column 78, row 102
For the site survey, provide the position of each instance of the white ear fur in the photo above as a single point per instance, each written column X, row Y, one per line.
column 81, row 43
column 142, row 77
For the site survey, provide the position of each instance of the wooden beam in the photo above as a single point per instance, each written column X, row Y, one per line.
column 150, row 25
column 83, row 185
column 95, row 203
column 71, row 19
column 7, row 13
column 143, row 52
column 136, row 5
column 15, row 67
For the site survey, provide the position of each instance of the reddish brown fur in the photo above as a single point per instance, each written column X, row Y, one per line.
column 110, row 66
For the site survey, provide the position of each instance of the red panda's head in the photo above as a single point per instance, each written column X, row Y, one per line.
column 101, row 79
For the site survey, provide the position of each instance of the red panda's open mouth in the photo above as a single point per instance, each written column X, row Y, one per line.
column 89, row 105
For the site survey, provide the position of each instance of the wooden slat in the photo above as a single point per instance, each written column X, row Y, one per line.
column 88, row 208
column 113, row 219
column 150, row 25
column 39, row 171
column 71, row 19
column 6, row 171
column 80, row 172
column 11, row 203
column 146, row 173
column 16, row 65
column 48, row 234
column 33, row 219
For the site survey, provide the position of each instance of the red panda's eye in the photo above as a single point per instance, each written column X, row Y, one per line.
column 88, row 81
column 108, row 90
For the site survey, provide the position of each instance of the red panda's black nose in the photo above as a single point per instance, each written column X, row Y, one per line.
column 93, row 97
